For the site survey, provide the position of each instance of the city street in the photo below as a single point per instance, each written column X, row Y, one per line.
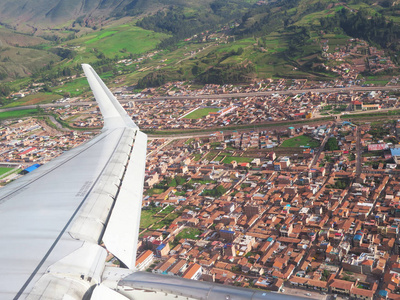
column 303, row 293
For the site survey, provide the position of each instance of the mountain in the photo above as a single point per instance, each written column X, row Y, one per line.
column 16, row 12
column 41, row 13
column 208, row 41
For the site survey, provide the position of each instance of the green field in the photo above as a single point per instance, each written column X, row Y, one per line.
column 153, row 191
column 188, row 233
column 79, row 86
column 116, row 40
column 377, row 82
column 299, row 141
column 74, row 88
column 101, row 36
column 38, row 98
column 200, row 113
column 266, row 50
column 210, row 155
column 166, row 222
column 238, row 159
column 147, row 216
column 4, row 170
column 18, row 114
column 197, row 156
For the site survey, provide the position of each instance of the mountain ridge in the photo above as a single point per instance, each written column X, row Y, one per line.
column 44, row 13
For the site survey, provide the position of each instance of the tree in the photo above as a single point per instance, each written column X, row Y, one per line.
column 331, row 144
column 218, row 192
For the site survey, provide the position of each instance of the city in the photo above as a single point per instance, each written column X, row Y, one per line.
column 308, row 209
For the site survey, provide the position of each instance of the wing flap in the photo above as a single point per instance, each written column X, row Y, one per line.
column 90, row 223
column 122, row 232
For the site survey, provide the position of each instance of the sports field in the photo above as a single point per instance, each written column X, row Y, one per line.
column 200, row 113
column 4, row 170
column 300, row 141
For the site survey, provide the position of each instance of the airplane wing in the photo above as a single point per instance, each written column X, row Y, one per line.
column 53, row 220
column 56, row 222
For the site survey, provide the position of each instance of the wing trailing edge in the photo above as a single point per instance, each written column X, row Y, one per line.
column 122, row 232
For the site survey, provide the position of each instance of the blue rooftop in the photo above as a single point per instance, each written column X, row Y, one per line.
column 395, row 151
column 32, row 168
column 383, row 293
column 227, row 231
column 159, row 248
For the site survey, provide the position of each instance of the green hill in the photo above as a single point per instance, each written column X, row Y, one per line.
column 210, row 41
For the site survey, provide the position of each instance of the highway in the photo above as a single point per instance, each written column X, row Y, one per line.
column 358, row 152
column 284, row 92
column 219, row 96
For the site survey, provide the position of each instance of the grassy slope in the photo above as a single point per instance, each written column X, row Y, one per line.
column 120, row 40
column 270, row 61
column 16, row 59
column 34, row 99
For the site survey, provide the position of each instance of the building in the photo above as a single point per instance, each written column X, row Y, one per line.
column 144, row 260
column 356, row 105
column 341, row 286
column 227, row 235
column 193, row 272
column 162, row 250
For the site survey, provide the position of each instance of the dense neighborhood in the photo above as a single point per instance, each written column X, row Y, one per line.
column 305, row 198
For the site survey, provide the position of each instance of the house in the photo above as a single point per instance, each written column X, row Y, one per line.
column 193, row 272
column 144, row 260
column 341, row 286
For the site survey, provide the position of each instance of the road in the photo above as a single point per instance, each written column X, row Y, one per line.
column 285, row 92
column 299, row 292
column 219, row 96
column 58, row 125
column 358, row 152
column 321, row 148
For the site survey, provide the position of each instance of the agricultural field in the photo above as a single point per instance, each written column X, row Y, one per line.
column 376, row 80
column 79, row 86
column 147, row 216
column 167, row 221
column 197, row 156
column 300, row 141
column 113, row 41
column 38, row 98
column 18, row 114
column 313, row 18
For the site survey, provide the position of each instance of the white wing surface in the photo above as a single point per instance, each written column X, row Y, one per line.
column 52, row 220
